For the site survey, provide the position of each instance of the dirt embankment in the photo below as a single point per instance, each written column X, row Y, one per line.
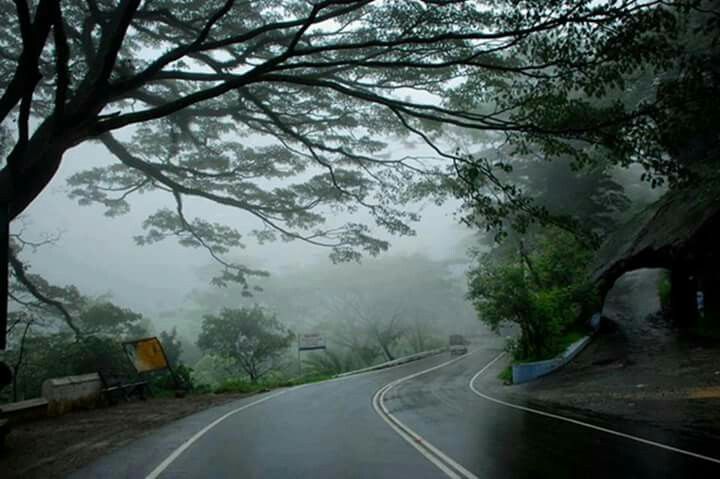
column 54, row 447
column 645, row 371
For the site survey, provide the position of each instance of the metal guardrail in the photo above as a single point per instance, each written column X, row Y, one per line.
column 524, row 372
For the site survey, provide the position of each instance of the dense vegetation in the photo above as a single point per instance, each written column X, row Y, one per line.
column 544, row 288
column 223, row 341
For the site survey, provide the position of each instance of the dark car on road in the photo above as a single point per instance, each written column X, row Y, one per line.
column 458, row 344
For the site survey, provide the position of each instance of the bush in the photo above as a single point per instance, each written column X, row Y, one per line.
column 547, row 292
column 506, row 375
column 243, row 386
column 163, row 382
column 238, row 386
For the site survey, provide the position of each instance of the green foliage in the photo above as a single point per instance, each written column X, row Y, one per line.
column 546, row 292
column 214, row 370
column 59, row 354
column 407, row 302
column 46, row 343
column 506, row 375
column 172, row 346
column 664, row 289
column 250, row 336
column 651, row 104
column 164, row 383
column 329, row 362
column 240, row 386
column 546, row 76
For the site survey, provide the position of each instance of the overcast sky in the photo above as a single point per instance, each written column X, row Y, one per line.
column 98, row 254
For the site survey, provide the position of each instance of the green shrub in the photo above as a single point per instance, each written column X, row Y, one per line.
column 238, row 386
column 547, row 292
column 506, row 375
column 242, row 386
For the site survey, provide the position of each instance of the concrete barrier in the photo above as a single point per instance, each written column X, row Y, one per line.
column 524, row 372
column 24, row 410
column 71, row 392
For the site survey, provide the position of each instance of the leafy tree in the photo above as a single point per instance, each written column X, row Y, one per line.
column 546, row 291
column 667, row 95
column 172, row 346
column 214, row 370
column 57, row 331
column 250, row 336
column 424, row 296
column 179, row 92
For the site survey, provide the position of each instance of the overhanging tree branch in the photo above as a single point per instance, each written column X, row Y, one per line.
column 19, row 271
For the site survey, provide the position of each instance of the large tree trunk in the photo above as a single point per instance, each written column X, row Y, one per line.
column 30, row 168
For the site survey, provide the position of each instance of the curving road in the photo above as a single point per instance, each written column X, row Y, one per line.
column 419, row 420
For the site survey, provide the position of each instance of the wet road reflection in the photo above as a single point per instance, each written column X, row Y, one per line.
column 498, row 442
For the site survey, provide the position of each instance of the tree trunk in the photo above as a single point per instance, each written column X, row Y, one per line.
column 35, row 168
column 386, row 350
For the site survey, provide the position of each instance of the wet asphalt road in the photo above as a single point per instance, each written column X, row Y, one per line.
column 330, row 430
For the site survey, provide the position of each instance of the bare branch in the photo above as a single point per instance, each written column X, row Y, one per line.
column 19, row 271
column 62, row 57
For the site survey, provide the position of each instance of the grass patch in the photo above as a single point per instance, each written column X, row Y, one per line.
column 506, row 375
column 561, row 344
column 570, row 337
column 240, row 386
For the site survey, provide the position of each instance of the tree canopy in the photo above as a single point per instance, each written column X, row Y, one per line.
column 250, row 336
column 284, row 110
column 205, row 99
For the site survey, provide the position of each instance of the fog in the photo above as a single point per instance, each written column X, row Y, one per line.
column 98, row 254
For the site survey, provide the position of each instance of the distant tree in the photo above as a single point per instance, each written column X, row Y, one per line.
column 667, row 91
column 368, row 323
column 251, row 336
column 421, row 337
column 425, row 296
column 329, row 362
column 172, row 346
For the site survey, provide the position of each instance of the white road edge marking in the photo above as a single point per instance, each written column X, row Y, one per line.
column 164, row 465
column 580, row 423
column 155, row 473
column 447, row 465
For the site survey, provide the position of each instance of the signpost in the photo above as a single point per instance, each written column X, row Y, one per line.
column 309, row 342
column 148, row 355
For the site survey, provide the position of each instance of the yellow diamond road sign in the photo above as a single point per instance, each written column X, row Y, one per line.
column 146, row 354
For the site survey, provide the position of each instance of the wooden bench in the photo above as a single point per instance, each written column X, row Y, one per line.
column 119, row 385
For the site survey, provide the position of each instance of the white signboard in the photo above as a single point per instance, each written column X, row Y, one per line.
column 309, row 342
